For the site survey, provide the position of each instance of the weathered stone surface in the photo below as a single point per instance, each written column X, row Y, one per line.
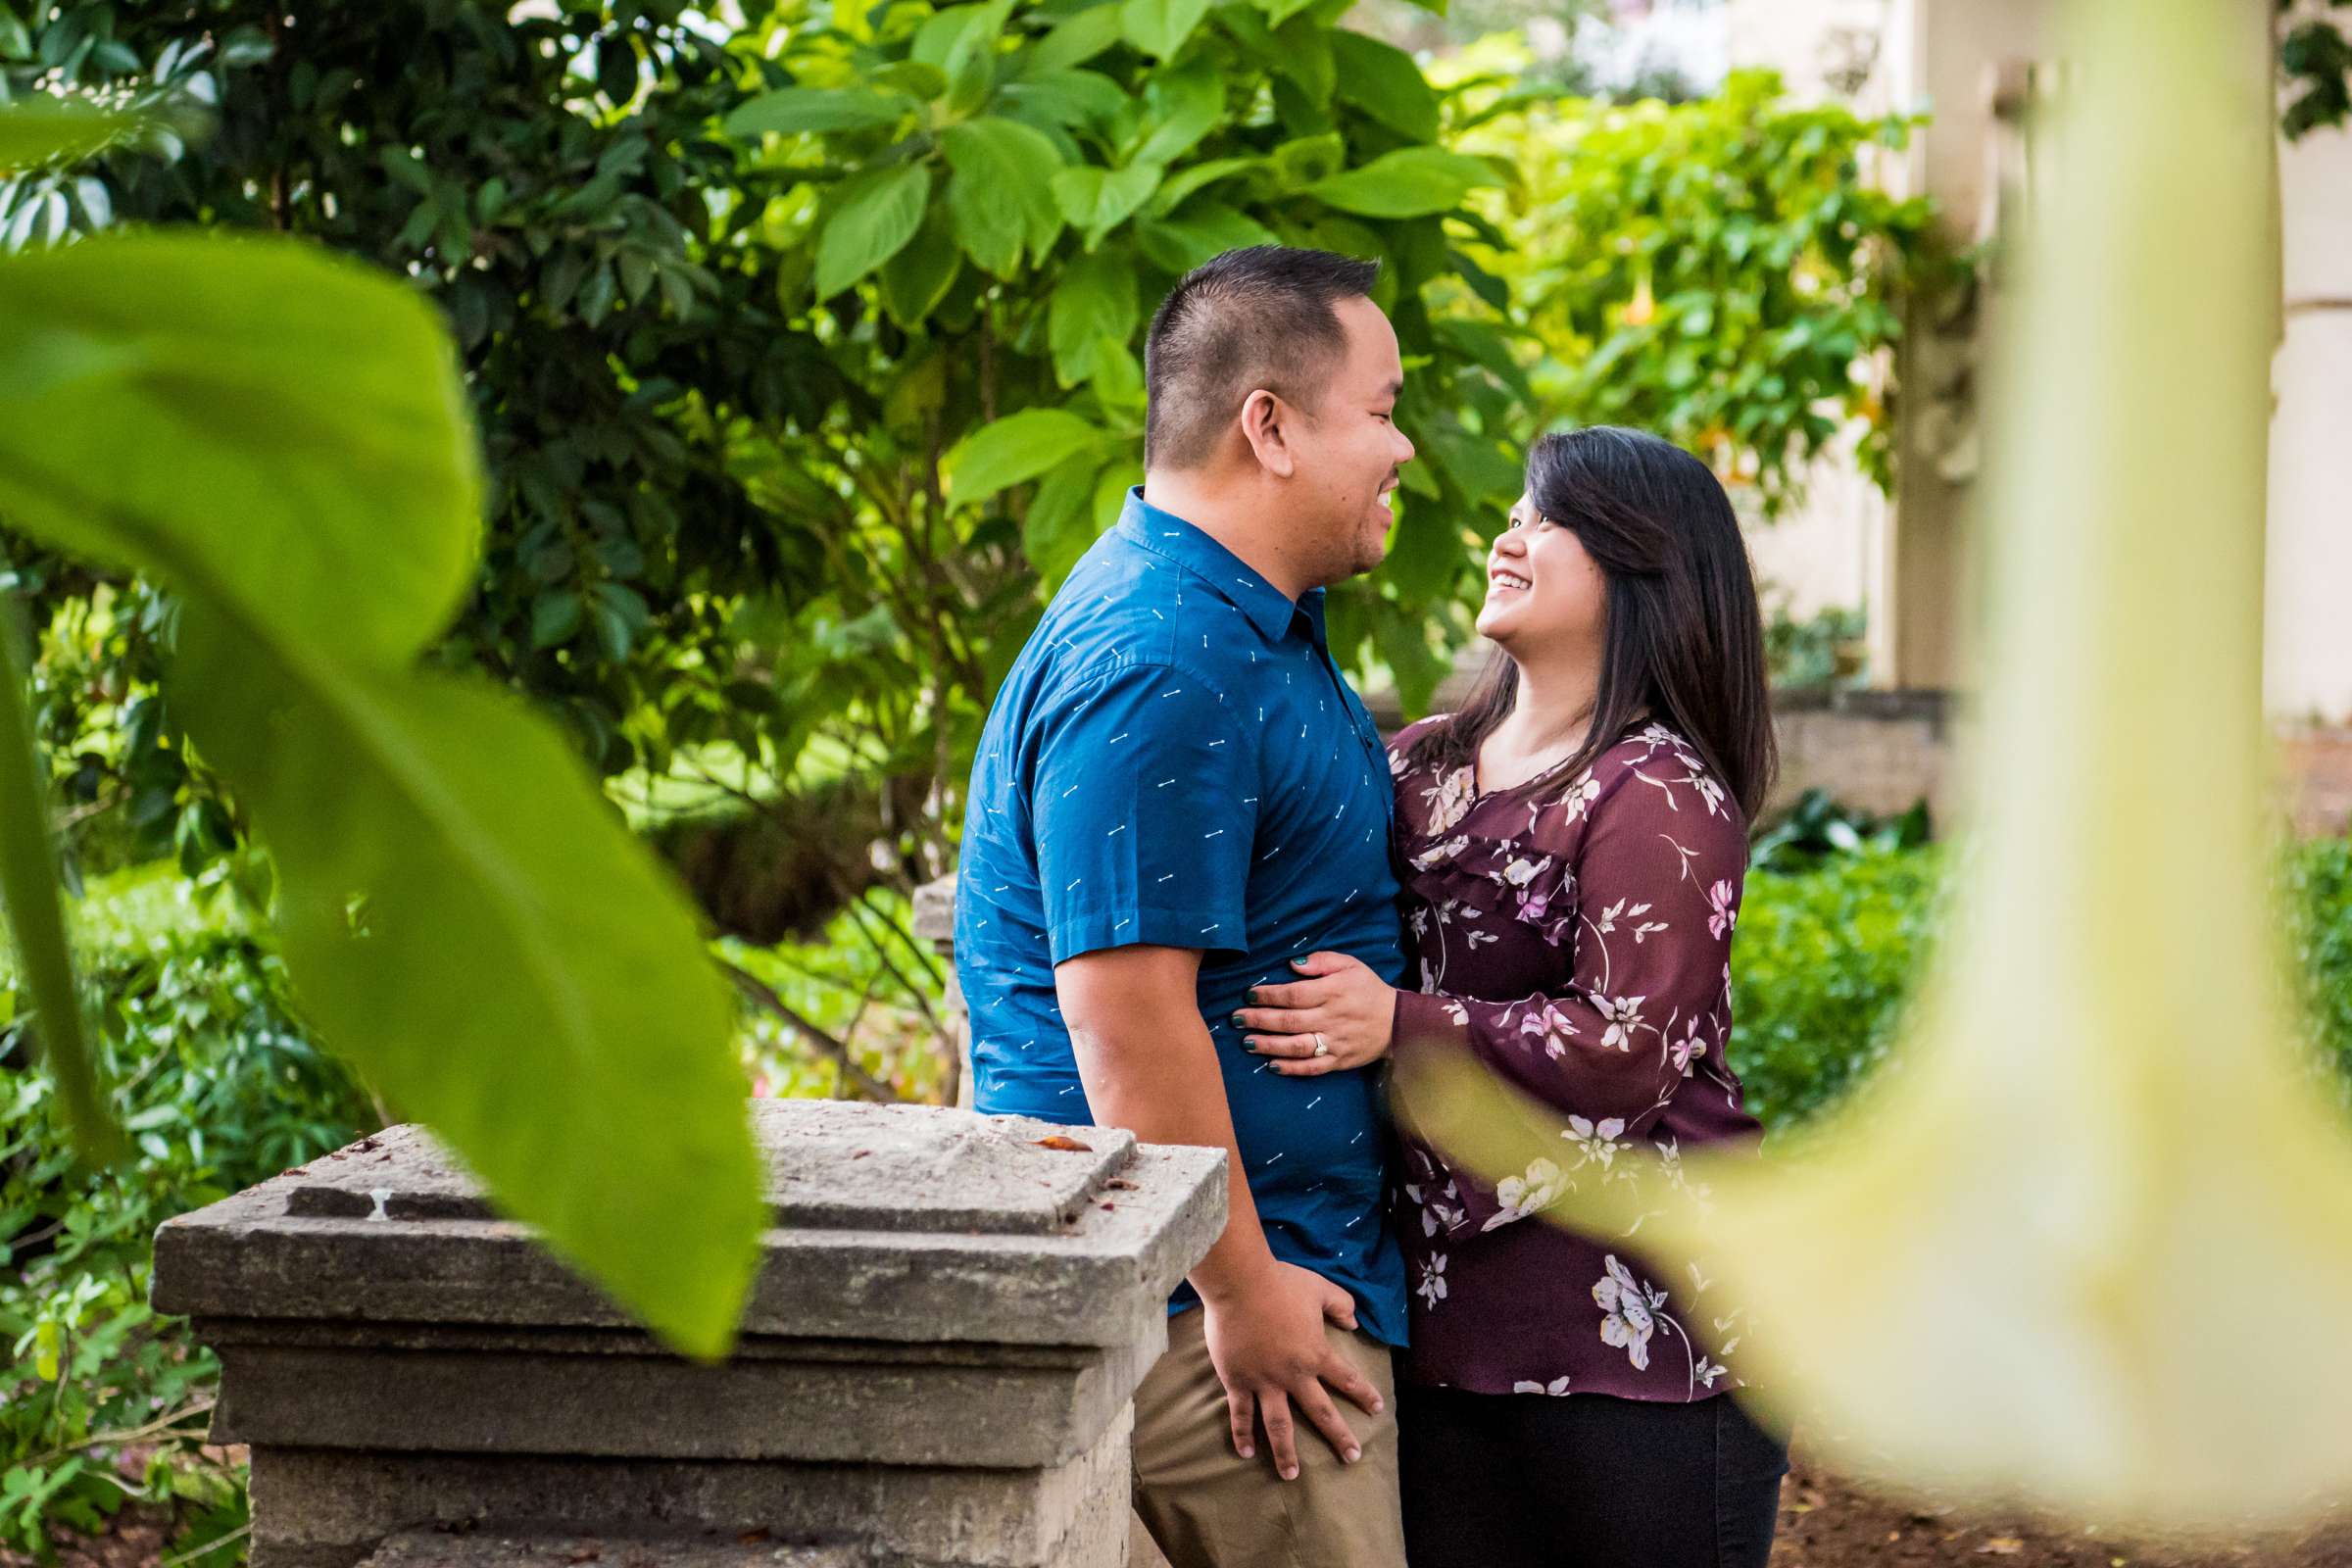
column 830, row 1166
column 935, row 910
column 996, row 1405
column 473, row 1548
column 323, row 1508
column 936, row 1370
column 1115, row 1238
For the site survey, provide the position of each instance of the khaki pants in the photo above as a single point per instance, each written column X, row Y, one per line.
column 1206, row 1507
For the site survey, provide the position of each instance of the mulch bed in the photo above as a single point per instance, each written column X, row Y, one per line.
column 1829, row 1523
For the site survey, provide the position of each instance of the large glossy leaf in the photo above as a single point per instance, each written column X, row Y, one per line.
column 1204, row 229
column 1383, row 81
column 279, row 436
column 1180, row 107
column 1094, row 300
column 801, row 109
column 1098, row 200
column 1184, row 181
column 1076, row 39
column 914, row 280
column 1059, row 524
column 1159, row 27
column 156, row 389
column 40, row 129
column 879, row 213
column 1017, row 448
column 466, row 919
column 1002, row 191
column 1409, row 183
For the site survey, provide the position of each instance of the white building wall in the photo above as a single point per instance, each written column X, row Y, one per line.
column 2308, row 631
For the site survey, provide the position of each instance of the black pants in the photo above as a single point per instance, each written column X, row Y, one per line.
column 1506, row 1479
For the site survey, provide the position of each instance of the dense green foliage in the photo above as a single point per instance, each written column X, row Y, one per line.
column 2315, row 57
column 1819, row 973
column 730, row 311
column 102, row 1402
column 1722, row 273
column 1828, row 941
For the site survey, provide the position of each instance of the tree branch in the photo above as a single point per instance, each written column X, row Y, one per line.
column 761, row 991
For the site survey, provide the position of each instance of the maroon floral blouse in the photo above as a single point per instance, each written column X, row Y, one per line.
column 1576, row 940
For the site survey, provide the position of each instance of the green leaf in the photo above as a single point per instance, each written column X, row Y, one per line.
column 280, row 437
column 1099, row 199
column 1059, row 524
column 879, row 213
column 1309, row 160
column 555, row 617
column 1001, row 193
column 1014, row 449
column 790, row 110
column 1185, row 181
column 1065, row 97
column 1159, row 27
column 1075, row 39
column 961, row 42
column 1095, row 299
column 1384, row 83
column 153, row 385
column 1204, row 229
column 405, row 170
column 1278, row 11
column 573, row 1044
column 916, row 280
column 1406, row 183
column 1179, row 108
column 42, row 129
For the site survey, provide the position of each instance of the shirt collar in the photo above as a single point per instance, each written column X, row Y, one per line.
column 1229, row 577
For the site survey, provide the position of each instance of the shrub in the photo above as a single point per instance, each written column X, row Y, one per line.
column 102, row 1402
column 1820, row 970
column 1826, row 954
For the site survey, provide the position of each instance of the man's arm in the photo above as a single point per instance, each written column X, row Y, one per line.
column 1149, row 1066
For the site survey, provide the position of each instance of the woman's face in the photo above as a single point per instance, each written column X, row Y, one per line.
column 1543, row 593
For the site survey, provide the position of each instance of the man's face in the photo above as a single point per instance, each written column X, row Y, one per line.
column 1349, row 449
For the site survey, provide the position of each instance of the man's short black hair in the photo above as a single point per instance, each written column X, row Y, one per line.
column 1263, row 317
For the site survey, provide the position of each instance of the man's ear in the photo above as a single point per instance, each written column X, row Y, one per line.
column 1265, row 425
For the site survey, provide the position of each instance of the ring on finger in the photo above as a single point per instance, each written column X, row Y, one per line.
column 1321, row 1049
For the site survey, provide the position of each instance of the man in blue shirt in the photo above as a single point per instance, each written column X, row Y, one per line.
column 1176, row 798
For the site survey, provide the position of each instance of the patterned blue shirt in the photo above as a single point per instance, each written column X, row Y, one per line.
column 1174, row 759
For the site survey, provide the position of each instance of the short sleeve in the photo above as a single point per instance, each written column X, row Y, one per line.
column 1145, row 812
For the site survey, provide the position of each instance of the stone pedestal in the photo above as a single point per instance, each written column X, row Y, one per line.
column 936, row 1366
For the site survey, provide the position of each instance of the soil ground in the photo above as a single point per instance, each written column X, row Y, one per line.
column 1824, row 1523
column 1829, row 1523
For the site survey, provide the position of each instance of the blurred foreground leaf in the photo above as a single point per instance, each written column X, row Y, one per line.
column 279, row 435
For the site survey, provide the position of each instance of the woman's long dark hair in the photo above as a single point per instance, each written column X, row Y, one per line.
column 1683, row 640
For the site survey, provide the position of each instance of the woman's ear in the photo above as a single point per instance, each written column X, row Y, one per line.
column 1265, row 425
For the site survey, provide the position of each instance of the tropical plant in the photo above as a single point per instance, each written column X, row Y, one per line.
column 806, row 360
column 1725, row 273
column 277, row 437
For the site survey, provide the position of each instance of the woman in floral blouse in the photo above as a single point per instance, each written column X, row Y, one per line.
column 1573, row 844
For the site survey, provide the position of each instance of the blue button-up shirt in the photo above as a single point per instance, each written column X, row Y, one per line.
column 1174, row 761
